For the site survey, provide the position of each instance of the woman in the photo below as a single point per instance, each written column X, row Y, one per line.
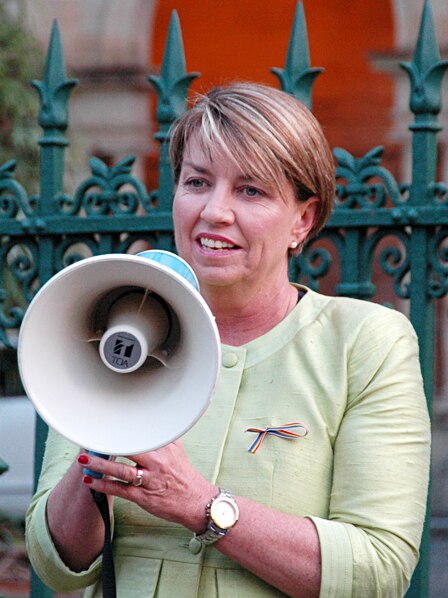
column 338, row 510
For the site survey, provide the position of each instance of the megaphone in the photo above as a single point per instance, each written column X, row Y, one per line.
column 120, row 353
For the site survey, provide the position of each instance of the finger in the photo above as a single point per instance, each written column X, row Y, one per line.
column 112, row 487
column 138, row 478
column 123, row 489
column 119, row 470
column 142, row 458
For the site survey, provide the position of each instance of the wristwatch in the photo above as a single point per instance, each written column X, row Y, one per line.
column 222, row 514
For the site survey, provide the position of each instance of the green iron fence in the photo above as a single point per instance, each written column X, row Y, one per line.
column 377, row 222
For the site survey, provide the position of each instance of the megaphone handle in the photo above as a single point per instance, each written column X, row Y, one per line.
column 95, row 474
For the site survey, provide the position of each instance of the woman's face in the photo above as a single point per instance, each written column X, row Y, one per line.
column 234, row 230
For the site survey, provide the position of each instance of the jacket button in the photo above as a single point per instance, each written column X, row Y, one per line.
column 229, row 360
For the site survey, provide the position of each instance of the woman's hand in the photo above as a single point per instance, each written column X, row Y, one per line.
column 162, row 482
column 171, row 488
column 74, row 520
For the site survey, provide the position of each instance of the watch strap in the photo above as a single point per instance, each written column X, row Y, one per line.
column 213, row 533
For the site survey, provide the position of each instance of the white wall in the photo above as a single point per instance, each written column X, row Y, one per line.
column 17, row 421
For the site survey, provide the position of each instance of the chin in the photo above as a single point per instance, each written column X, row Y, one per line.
column 215, row 277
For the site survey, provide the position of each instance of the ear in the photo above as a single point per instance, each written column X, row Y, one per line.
column 306, row 215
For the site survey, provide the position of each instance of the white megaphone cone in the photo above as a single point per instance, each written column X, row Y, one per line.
column 120, row 353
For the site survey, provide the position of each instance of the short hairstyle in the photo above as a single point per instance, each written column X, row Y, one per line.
column 268, row 134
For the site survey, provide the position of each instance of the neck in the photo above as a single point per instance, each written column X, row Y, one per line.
column 243, row 318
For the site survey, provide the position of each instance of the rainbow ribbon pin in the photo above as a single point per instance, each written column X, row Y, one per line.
column 282, row 432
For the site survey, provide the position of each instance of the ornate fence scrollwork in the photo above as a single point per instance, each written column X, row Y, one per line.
column 367, row 183
column 438, row 284
column 102, row 193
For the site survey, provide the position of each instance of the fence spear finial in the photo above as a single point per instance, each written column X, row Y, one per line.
column 55, row 88
column 173, row 83
column 298, row 76
column 426, row 69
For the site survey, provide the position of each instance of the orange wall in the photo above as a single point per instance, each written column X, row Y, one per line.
column 243, row 39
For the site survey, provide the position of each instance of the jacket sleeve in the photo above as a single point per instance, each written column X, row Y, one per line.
column 59, row 455
column 370, row 542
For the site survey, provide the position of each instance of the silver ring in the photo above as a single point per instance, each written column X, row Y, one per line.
column 138, row 480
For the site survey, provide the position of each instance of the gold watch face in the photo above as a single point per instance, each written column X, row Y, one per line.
column 224, row 512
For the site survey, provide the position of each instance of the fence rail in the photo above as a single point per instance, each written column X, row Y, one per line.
column 402, row 229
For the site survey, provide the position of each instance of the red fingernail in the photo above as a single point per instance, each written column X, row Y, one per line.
column 84, row 459
column 87, row 479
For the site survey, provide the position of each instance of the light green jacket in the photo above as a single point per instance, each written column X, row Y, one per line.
column 349, row 371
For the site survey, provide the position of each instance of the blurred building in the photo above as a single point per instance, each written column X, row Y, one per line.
column 361, row 99
column 106, row 46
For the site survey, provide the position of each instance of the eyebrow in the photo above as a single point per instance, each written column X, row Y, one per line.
column 202, row 170
column 196, row 167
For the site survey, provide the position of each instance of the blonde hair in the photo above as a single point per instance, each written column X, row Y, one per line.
column 268, row 134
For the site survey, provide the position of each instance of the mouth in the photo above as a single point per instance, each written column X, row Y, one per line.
column 216, row 244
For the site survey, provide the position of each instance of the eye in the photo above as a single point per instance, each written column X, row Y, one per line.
column 195, row 183
column 251, row 191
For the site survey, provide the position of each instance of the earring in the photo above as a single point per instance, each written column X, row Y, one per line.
column 293, row 245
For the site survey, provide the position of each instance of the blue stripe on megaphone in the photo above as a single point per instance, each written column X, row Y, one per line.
column 173, row 262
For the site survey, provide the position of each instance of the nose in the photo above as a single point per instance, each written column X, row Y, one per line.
column 218, row 209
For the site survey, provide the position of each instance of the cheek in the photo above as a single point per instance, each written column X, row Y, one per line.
column 266, row 229
column 175, row 209
column 183, row 220
column 177, row 221
column 180, row 215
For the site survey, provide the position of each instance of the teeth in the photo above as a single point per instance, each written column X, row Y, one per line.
column 212, row 244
